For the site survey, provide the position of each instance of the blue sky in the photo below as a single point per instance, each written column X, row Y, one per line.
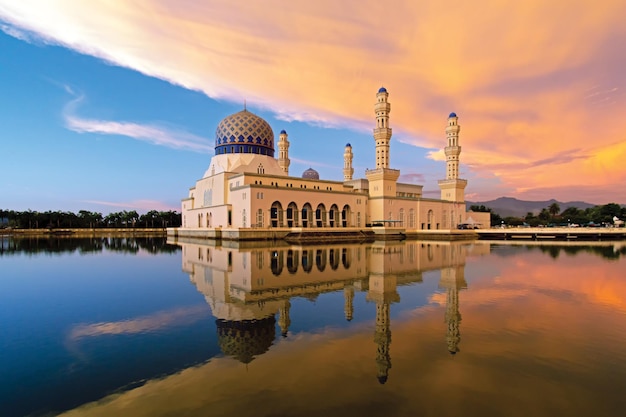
column 54, row 165
column 111, row 105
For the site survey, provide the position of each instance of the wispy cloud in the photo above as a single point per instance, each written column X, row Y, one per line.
column 144, row 324
column 150, row 133
column 527, row 85
column 412, row 178
column 142, row 205
column 16, row 33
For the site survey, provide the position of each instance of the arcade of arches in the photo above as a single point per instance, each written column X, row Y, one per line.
column 307, row 216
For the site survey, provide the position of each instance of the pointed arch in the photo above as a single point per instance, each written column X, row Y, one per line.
column 276, row 214
column 291, row 215
column 320, row 215
column 307, row 215
column 345, row 216
column 333, row 216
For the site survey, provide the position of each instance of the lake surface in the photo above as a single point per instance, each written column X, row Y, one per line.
column 139, row 327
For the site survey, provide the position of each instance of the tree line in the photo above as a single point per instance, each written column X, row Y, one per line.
column 33, row 245
column 88, row 219
column 552, row 215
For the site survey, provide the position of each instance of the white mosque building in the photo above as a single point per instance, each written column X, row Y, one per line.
column 247, row 189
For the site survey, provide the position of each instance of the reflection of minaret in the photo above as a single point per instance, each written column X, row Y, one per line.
column 453, row 280
column 383, row 292
column 382, row 337
column 284, row 321
column 348, row 307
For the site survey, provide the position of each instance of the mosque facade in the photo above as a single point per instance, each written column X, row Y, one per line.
column 248, row 185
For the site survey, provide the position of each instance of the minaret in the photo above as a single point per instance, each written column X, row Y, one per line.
column 453, row 188
column 382, row 132
column 348, row 171
column 283, row 152
column 382, row 180
column 453, row 150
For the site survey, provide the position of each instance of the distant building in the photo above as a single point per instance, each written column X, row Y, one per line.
column 247, row 186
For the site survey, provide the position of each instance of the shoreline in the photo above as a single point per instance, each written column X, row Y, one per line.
column 79, row 232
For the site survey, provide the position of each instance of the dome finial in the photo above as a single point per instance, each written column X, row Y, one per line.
column 244, row 105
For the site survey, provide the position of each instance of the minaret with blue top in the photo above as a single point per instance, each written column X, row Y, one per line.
column 382, row 132
column 382, row 180
column 453, row 188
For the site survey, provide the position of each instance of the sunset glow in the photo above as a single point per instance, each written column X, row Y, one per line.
column 538, row 86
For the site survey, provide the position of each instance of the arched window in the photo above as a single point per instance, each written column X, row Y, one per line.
column 292, row 215
column 276, row 215
column 320, row 216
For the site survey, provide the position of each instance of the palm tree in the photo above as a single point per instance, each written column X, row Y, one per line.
column 554, row 209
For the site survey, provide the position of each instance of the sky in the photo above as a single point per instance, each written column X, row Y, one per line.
column 112, row 105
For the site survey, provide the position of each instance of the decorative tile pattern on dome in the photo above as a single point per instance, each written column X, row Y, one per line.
column 244, row 127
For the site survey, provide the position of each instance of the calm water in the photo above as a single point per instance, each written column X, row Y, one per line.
column 124, row 327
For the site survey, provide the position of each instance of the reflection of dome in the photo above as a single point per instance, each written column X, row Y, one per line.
column 243, row 340
column 453, row 114
column 311, row 174
column 244, row 132
column 348, row 145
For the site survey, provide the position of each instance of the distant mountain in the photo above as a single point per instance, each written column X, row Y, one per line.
column 508, row 206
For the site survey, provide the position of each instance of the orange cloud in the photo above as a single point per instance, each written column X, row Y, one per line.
column 534, row 81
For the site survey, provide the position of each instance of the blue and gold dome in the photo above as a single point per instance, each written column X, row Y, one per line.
column 244, row 132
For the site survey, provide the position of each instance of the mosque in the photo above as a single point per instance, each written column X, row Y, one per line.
column 247, row 189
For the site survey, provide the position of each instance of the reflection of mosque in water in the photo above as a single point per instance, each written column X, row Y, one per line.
column 246, row 288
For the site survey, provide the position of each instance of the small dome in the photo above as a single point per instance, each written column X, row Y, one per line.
column 348, row 145
column 453, row 114
column 311, row 174
column 283, row 132
column 382, row 90
column 244, row 132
